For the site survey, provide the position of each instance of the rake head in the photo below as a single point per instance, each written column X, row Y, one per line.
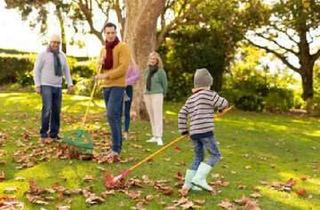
column 79, row 139
column 114, row 182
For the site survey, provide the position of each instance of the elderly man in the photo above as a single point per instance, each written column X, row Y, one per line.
column 114, row 60
column 50, row 66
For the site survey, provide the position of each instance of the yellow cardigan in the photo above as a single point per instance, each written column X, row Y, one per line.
column 116, row 77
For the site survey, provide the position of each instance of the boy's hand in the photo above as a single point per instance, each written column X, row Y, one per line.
column 185, row 133
column 221, row 112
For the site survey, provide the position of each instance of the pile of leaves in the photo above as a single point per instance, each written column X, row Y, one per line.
column 245, row 202
column 10, row 202
column 3, row 138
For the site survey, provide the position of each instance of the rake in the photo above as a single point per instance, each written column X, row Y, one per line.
column 111, row 182
column 80, row 138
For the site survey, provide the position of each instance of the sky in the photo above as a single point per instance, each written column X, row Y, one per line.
column 17, row 34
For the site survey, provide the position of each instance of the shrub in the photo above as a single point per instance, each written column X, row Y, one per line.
column 250, row 103
column 13, row 67
column 84, row 87
column 179, row 85
column 279, row 99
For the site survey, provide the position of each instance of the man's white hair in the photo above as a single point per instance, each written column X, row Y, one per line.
column 55, row 38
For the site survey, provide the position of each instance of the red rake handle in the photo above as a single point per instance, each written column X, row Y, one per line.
column 153, row 154
column 126, row 172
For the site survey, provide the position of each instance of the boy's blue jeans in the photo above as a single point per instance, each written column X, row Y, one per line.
column 199, row 145
column 113, row 97
column 50, row 114
column 127, row 107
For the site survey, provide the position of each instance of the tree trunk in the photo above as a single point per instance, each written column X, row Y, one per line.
column 140, row 34
column 63, row 33
column 217, row 81
column 307, row 83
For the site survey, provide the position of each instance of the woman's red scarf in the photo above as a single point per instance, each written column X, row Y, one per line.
column 108, row 61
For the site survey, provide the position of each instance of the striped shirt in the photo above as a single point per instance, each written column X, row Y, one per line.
column 199, row 109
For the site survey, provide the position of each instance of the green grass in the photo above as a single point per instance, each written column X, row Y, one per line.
column 256, row 147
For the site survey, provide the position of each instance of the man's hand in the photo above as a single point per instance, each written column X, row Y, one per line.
column 100, row 76
column 70, row 89
column 38, row 90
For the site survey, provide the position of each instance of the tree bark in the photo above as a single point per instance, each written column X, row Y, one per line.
column 63, row 32
column 140, row 34
column 307, row 83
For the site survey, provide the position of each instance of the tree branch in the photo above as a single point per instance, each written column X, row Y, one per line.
column 261, row 35
column 277, row 54
column 284, row 32
column 103, row 10
column 182, row 14
column 315, row 56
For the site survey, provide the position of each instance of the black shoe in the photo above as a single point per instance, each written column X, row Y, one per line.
column 56, row 138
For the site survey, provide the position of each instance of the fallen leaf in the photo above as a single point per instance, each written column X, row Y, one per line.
column 301, row 192
column 10, row 203
column 251, row 205
column 179, row 176
column 63, row 207
column 88, row 178
column 255, row 195
column 226, row 204
column 2, row 176
column 94, row 199
column 10, row 190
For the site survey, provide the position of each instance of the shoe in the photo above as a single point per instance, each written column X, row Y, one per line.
column 199, row 178
column 45, row 140
column 56, row 138
column 125, row 135
column 113, row 157
column 187, row 181
column 152, row 140
column 159, row 141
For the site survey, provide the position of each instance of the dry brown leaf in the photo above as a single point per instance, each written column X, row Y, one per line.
column 255, row 195
column 304, row 178
column 179, row 176
column 10, row 203
column 63, row 207
column 251, row 205
column 166, row 190
column 226, row 204
column 241, row 187
column 2, row 176
column 171, row 208
column 199, row 202
column 134, row 195
column 88, row 178
column 94, row 199
column 148, row 197
column 10, row 190
column 301, row 192
column 187, row 205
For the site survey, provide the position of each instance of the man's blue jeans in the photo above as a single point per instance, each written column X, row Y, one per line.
column 50, row 114
column 113, row 97
column 127, row 107
column 199, row 145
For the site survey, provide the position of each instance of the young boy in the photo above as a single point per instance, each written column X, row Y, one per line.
column 199, row 108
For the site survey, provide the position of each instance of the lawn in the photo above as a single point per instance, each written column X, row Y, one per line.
column 272, row 159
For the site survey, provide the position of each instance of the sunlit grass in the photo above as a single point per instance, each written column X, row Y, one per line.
column 255, row 147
